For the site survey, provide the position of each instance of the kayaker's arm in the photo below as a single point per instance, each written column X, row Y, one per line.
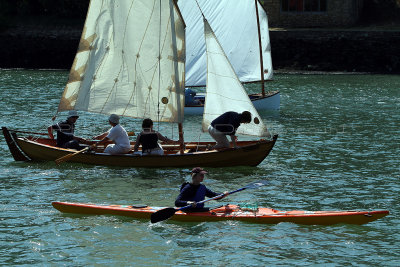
column 211, row 194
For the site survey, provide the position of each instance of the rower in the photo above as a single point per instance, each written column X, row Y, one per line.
column 65, row 132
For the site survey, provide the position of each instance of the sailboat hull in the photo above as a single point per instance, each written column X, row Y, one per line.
column 271, row 101
column 249, row 153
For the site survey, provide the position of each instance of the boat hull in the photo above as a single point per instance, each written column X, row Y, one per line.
column 230, row 212
column 249, row 153
column 269, row 102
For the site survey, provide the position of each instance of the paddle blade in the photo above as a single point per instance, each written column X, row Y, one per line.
column 162, row 215
column 257, row 184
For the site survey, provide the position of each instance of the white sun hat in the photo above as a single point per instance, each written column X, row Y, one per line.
column 114, row 118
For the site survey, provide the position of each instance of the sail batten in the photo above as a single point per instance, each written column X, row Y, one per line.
column 224, row 91
column 130, row 61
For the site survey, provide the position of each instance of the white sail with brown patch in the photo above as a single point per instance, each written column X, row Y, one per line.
column 130, row 61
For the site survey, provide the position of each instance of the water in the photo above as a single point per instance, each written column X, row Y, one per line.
column 338, row 148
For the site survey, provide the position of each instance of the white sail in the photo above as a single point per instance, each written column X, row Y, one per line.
column 130, row 61
column 235, row 25
column 224, row 90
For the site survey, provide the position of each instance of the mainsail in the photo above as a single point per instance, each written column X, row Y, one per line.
column 130, row 61
column 235, row 25
column 224, row 90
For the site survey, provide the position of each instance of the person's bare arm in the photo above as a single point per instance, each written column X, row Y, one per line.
column 50, row 131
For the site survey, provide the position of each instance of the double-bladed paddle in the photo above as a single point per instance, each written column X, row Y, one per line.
column 167, row 213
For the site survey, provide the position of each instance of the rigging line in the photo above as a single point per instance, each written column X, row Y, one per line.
column 201, row 11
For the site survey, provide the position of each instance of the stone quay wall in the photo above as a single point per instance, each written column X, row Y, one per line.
column 297, row 49
column 336, row 50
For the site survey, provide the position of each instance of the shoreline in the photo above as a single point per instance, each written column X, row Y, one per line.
column 278, row 72
column 343, row 51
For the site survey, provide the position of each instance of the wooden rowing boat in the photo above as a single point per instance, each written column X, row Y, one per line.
column 249, row 153
column 123, row 72
column 230, row 212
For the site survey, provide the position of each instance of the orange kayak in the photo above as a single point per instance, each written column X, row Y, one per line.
column 230, row 212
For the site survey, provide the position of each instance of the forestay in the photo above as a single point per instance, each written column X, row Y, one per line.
column 118, row 68
column 235, row 25
column 224, row 90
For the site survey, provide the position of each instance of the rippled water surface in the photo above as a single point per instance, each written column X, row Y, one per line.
column 338, row 148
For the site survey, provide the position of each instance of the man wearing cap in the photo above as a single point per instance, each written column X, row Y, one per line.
column 193, row 192
column 118, row 135
column 227, row 124
column 65, row 132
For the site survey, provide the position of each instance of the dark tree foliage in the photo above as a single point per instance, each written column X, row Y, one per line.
column 380, row 11
column 60, row 8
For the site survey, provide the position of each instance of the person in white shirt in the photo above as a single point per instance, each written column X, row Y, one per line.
column 118, row 135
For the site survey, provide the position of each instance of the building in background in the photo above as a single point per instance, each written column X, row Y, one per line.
column 313, row 13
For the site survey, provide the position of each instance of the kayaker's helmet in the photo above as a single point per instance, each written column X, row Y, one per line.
column 72, row 114
column 198, row 170
column 114, row 118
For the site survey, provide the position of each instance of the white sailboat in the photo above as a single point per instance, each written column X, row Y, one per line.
column 224, row 90
column 242, row 29
column 131, row 62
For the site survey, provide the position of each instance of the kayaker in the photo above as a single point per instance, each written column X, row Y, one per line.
column 193, row 192
column 148, row 138
column 227, row 124
column 65, row 132
column 118, row 135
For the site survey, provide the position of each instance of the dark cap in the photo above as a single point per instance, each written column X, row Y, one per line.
column 198, row 170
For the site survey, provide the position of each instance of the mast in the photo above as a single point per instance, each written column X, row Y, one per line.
column 260, row 48
column 181, row 141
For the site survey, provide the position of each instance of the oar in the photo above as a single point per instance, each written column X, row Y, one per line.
column 167, row 213
column 69, row 156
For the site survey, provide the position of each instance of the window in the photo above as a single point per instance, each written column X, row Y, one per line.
column 304, row 5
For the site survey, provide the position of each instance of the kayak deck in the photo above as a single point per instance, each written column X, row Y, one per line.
column 230, row 212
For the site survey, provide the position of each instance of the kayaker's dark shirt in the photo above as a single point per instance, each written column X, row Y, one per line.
column 65, row 132
column 188, row 193
column 227, row 123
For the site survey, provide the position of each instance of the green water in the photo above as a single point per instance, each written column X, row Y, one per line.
column 338, row 148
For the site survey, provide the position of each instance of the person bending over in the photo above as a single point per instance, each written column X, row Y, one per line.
column 227, row 124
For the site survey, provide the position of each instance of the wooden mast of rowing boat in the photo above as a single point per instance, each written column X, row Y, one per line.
column 260, row 49
column 181, row 141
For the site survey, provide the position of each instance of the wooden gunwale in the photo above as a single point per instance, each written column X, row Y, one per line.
column 250, row 153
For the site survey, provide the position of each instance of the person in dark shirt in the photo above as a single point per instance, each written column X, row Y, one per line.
column 193, row 192
column 148, row 138
column 65, row 132
column 190, row 99
column 227, row 124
